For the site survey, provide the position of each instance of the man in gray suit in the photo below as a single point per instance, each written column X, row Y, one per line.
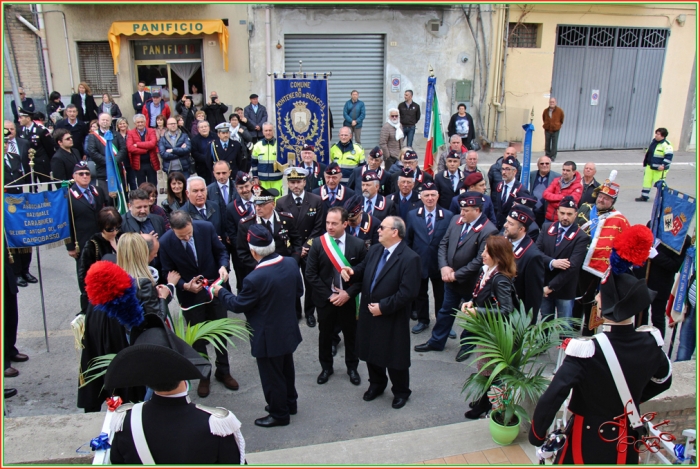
column 256, row 114
column 539, row 181
column 459, row 259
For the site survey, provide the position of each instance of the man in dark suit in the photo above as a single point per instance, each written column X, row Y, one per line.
column 201, row 150
column 240, row 207
column 256, row 114
column 506, row 190
column 75, row 126
column 539, row 181
column 425, row 227
column 86, row 201
column 39, row 139
column 139, row 218
column 333, row 193
column 66, row 157
column 25, row 103
column 10, row 320
column 475, row 182
column 376, row 204
column 18, row 146
column 268, row 294
column 410, row 161
column 280, row 224
column 223, row 148
column 223, row 189
column 459, row 259
column 564, row 246
column 335, row 299
column 374, row 163
column 193, row 249
column 200, row 208
column 139, row 98
column 529, row 279
column 389, row 287
column 96, row 148
column 309, row 213
column 361, row 224
column 449, row 181
column 314, row 169
column 405, row 199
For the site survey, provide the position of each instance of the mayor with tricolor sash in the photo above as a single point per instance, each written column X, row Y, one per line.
column 335, row 299
column 97, row 144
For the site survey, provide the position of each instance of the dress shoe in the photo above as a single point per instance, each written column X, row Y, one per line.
column 21, row 282
column 334, row 349
column 11, row 372
column 20, row 357
column 372, row 393
column 453, row 334
column 292, row 410
column 463, row 354
column 399, row 402
column 426, row 347
column 270, row 421
column 30, row 278
column 420, row 327
column 9, row 392
column 414, row 315
column 641, row 199
column 323, row 377
column 203, row 388
column 354, row 377
column 227, row 379
column 310, row 321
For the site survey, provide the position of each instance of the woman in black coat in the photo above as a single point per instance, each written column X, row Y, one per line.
column 55, row 104
column 108, row 106
column 186, row 109
column 494, row 290
column 462, row 124
column 83, row 100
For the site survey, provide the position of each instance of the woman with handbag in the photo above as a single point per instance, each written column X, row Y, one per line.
column 494, row 292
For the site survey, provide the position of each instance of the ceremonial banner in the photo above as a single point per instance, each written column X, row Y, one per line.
column 527, row 154
column 36, row 219
column 301, row 110
column 671, row 216
column 433, row 127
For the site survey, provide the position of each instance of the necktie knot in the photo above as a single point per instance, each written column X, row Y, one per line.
column 298, row 201
column 203, row 212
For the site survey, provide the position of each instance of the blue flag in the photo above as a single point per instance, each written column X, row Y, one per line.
column 114, row 181
column 527, row 154
column 36, row 219
column 301, row 114
column 671, row 216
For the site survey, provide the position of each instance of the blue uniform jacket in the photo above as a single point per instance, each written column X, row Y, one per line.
column 423, row 245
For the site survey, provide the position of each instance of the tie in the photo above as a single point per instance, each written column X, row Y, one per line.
column 380, row 266
column 268, row 225
column 463, row 236
column 404, row 200
column 331, row 197
column 452, row 178
column 298, row 201
column 89, row 197
column 225, row 145
column 13, row 146
column 224, row 192
column 337, row 281
column 189, row 247
column 562, row 230
column 369, row 207
column 429, row 224
column 249, row 208
column 203, row 212
column 504, row 196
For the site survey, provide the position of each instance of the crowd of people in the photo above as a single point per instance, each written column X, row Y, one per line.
column 362, row 238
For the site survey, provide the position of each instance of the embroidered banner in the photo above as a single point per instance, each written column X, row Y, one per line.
column 671, row 216
column 301, row 110
column 36, row 219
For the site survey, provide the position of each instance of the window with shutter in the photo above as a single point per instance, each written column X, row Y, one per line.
column 97, row 68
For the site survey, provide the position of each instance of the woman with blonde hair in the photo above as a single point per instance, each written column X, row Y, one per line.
column 83, row 100
column 108, row 106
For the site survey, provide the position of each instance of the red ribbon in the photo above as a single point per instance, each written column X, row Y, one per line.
column 113, row 402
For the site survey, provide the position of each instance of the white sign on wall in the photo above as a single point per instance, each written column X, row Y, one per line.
column 395, row 83
column 595, row 97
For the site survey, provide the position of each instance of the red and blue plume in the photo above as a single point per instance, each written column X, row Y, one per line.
column 631, row 248
column 110, row 289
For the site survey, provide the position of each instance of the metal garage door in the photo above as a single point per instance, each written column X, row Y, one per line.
column 607, row 81
column 357, row 63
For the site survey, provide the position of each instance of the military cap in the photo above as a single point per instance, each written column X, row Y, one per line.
column 264, row 196
column 370, row 176
column 295, row 174
column 407, row 173
column 333, row 169
column 523, row 214
column 223, row 127
column 376, row 152
column 354, row 204
column 308, row 147
column 427, row 186
column 474, row 178
column 525, row 198
column 453, row 154
column 471, row 199
column 509, row 160
column 24, row 112
column 568, row 202
column 410, row 155
column 259, row 236
column 80, row 166
column 242, row 178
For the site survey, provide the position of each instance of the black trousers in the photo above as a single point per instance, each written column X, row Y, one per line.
column 22, row 260
column 146, row 174
column 399, row 380
column 209, row 312
column 277, row 378
column 658, row 312
column 81, row 287
column 586, row 290
column 329, row 319
column 309, row 306
column 10, row 319
column 423, row 301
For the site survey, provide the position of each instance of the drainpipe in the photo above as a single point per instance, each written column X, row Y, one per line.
column 42, row 36
column 502, row 65
column 11, row 73
column 65, row 37
column 268, row 60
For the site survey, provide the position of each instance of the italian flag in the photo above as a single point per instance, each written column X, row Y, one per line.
column 435, row 138
column 333, row 251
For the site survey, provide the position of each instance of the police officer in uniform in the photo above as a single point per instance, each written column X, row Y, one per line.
column 309, row 213
column 144, row 433
column 506, row 191
column 406, row 198
column 600, row 430
column 40, row 140
column 375, row 203
column 281, row 225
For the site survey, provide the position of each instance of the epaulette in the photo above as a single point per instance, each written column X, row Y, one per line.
column 653, row 331
column 115, row 425
column 222, row 422
column 582, row 347
column 248, row 218
column 286, row 214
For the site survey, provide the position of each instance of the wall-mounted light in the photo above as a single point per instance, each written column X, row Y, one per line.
column 279, row 46
column 680, row 19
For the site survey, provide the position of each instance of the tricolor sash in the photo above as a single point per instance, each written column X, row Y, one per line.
column 338, row 260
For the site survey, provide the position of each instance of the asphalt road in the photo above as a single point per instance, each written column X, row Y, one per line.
column 333, row 412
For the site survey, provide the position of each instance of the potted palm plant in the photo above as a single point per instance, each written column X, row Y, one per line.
column 506, row 348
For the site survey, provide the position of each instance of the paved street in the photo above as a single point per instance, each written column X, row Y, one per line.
column 332, row 412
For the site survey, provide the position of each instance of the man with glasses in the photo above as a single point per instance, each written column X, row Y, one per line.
column 240, row 207
column 86, row 202
column 539, row 181
column 589, row 184
column 26, row 104
column 495, row 176
column 390, row 138
column 374, row 163
column 64, row 160
column 506, row 191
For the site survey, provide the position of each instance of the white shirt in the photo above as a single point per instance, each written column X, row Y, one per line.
column 391, row 250
column 294, row 197
column 341, row 243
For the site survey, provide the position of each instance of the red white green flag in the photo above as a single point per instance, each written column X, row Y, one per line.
column 433, row 128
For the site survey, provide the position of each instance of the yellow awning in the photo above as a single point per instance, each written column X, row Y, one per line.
column 168, row 28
